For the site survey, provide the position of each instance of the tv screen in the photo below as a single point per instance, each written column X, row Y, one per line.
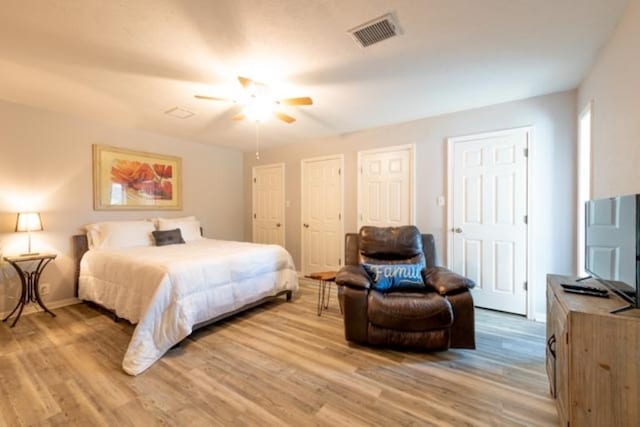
column 612, row 245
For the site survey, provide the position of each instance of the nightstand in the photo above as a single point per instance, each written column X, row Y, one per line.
column 30, row 278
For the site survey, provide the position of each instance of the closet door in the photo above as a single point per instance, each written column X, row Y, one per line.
column 322, row 226
column 268, row 204
column 386, row 187
column 488, row 208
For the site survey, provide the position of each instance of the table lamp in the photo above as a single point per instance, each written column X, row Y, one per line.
column 29, row 221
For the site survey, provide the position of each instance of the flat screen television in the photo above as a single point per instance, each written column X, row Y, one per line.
column 612, row 245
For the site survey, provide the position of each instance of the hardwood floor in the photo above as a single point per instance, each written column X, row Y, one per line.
column 277, row 364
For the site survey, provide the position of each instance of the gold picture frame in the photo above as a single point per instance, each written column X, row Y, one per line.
column 135, row 180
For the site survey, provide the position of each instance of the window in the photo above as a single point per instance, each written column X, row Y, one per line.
column 584, row 179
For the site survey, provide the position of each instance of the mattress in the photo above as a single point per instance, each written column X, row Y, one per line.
column 166, row 290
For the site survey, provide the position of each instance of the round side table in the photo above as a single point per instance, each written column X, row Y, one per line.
column 324, row 279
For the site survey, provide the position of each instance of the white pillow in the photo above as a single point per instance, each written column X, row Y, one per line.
column 186, row 218
column 189, row 227
column 120, row 234
column 93, row 235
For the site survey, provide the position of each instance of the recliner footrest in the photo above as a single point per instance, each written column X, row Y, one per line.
column 405, row 311
column 424, row 340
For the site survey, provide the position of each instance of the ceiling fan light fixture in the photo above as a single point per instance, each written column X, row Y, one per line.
column 259, row 109
column 259, row 103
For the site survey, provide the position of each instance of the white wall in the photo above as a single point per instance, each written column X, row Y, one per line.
column 46, row 166
column 553, row 170
column 613, row 83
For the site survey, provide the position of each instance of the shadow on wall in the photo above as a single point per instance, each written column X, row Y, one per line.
column 7, row 222
column 9, row 244
column 10, row 287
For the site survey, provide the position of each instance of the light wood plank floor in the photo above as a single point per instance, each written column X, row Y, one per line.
column 275, row 365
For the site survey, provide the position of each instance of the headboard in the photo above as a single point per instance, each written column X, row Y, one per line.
column 80, row 246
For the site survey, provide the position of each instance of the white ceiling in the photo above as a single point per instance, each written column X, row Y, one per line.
column 126, row 62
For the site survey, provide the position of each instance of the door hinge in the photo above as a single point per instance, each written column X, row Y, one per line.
column 526, row 219
column 254, row 180
column 339, row 171
column 526, row 152
column 566, row 338
column 526, row 286
column 339, row 216
column 360, row 171
column 340, row 261
column 254, row 216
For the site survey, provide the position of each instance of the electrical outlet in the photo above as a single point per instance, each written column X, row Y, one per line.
column 44, row 289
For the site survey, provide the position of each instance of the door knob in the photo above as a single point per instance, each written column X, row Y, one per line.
column 306, row 225
column 457, row 230
column 278, row 225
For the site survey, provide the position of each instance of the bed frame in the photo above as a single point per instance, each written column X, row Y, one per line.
column 81, row 246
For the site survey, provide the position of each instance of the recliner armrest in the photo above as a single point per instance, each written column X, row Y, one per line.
column 445, row 281
column 353, row 276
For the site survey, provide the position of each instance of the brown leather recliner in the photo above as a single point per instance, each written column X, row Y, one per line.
column 435, row 317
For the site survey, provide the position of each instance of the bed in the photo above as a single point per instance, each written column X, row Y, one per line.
column 168, row 291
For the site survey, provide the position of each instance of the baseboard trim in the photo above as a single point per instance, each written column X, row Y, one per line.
column 35, row 308
column 540, row 317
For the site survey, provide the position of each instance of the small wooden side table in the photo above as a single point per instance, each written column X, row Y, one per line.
column 30, row 279
column 325, row 279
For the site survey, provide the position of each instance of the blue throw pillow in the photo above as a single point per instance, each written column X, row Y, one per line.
column 393, row 277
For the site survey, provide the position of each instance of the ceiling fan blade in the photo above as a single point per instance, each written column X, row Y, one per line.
column 296, row 101
column 239, row 116
column 245, row 81
column 284, row 117
column 211, row 98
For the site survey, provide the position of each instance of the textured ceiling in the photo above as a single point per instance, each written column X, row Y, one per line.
column 126, row 62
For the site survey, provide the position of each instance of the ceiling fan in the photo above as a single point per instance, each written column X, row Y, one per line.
column 258, row 104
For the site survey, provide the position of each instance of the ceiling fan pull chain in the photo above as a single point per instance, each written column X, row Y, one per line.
column 257, row 140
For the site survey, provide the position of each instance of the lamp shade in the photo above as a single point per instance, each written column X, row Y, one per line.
column 28, row 221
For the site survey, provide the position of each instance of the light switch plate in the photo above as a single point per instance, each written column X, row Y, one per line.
column 440, row 201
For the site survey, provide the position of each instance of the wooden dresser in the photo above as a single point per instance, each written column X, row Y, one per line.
column 593, row 357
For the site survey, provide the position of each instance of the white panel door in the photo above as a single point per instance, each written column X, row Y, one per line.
column 322, row 235
column 489, row 208
column 268, row 204
column 385, row 187
column 611, row 225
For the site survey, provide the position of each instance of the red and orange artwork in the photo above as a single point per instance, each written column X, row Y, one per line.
column 142, row 180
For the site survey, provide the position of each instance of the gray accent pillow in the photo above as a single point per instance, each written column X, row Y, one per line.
column 167, row 237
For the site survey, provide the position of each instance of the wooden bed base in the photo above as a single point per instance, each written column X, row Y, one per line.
column 81, row 246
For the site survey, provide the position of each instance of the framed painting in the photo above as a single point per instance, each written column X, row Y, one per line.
column 125, row 179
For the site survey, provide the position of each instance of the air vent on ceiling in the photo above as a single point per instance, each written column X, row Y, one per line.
column 179, row 113
column 375, row 31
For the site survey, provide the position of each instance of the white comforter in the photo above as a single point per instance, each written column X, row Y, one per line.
column 167, row 290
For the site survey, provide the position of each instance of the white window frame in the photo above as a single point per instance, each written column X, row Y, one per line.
column 584, row 180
